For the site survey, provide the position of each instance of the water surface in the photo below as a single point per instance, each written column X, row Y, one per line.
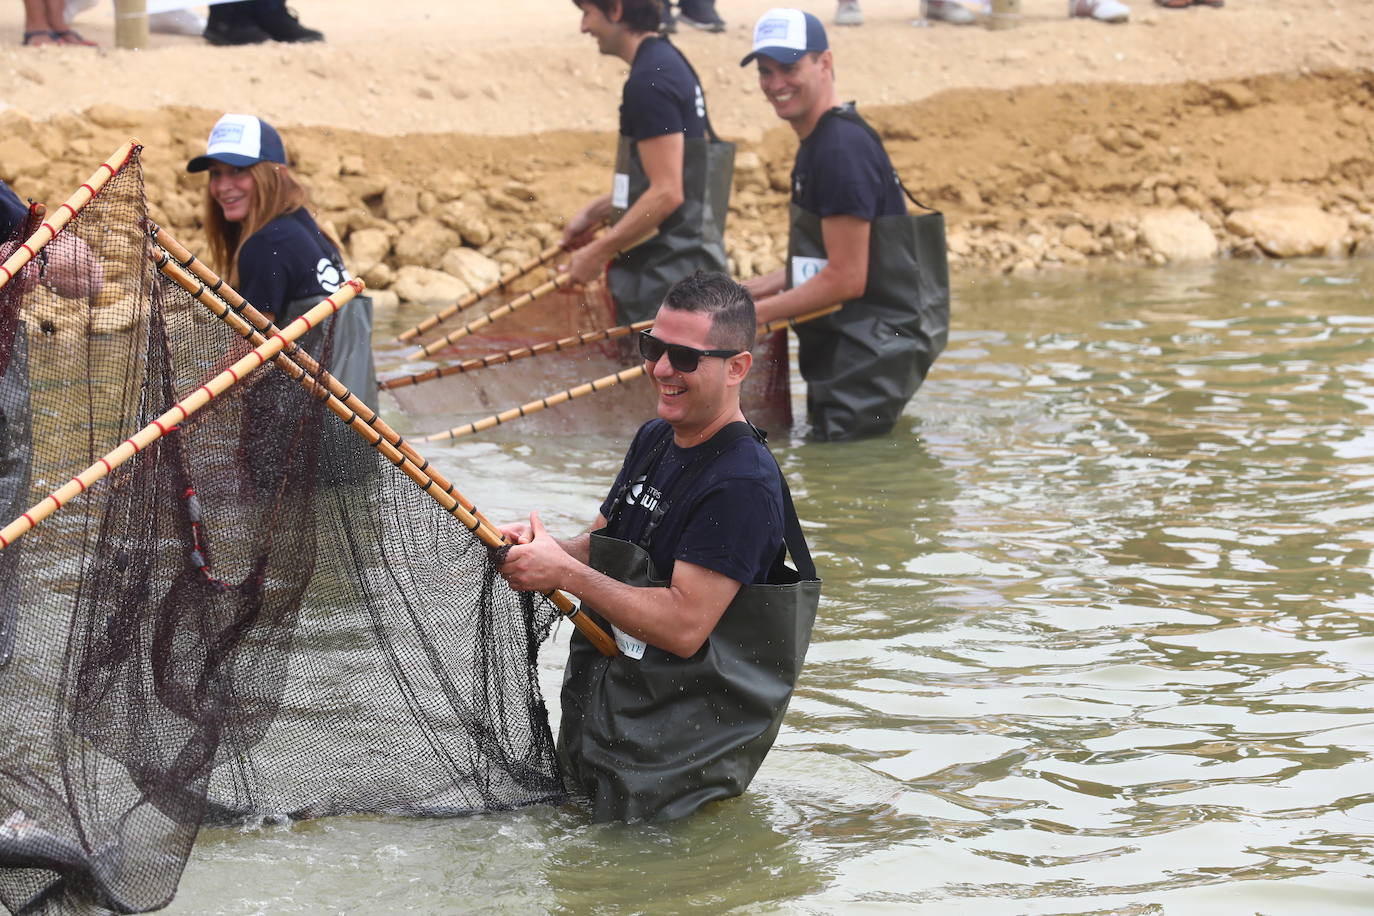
column 1097, row 636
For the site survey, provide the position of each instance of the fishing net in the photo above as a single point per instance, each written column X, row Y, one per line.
column 256, row 615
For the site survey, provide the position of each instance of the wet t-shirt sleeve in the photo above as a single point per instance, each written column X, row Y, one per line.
column 842, row 171
column 734, row 529
column 661, row 96
column 643, row 440
column 286, row 260
column 728, row 518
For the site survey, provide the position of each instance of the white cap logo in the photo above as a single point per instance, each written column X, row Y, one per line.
column 781, row 29
column 785, row 35
column 236, row 134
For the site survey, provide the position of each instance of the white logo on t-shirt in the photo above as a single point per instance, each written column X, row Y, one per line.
column 701, row 103
column 641, row 494
column 330, row 275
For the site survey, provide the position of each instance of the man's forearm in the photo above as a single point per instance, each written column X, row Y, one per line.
column 770, row 284
column 579, row 546
column 829, row 287
column 676, row 618
column 644, row 217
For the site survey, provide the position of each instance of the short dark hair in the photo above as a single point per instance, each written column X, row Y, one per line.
column 636, row 15
column 733, row 325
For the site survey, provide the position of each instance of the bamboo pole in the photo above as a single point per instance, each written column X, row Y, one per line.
column 501, row 311
column 1004, row 14
column 83, row 195
column 600, row 384
column 212, row 292
column 240, row 306
column 471, row 299
column 524, row 410
column 496, row 359
column 131, row 24
column 178, row 413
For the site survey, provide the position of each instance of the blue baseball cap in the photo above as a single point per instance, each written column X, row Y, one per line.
column 240, row 140
column 785, row 35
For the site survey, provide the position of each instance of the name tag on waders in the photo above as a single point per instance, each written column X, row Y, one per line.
column 620, row 191
column 627, row 644
column 804, row 269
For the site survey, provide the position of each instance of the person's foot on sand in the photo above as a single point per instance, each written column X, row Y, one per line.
column 283, row 24
column 176, row 22
column 951, row 11
column 232, row 32
column 45, row 25
column 700, row 14
column 1101, row 10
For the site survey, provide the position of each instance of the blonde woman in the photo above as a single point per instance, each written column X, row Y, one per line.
column 267, row 245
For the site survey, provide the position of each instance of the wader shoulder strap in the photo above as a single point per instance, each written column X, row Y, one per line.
column 706, row 109
column 794, row 542
column 848, row 113
column 707, row 452
column 641, row 468
column 792, row 537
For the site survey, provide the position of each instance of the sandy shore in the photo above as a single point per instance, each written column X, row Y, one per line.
column 1048, row 144
column 520, row 66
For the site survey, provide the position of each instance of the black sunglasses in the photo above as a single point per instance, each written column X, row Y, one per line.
column 683, row 358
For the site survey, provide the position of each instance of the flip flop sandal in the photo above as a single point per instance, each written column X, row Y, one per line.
column 30, row 38
column 1214, row 4
column 1174, row 4
column 71, row 37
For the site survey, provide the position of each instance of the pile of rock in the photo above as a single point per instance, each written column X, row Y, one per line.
column 1031, row 179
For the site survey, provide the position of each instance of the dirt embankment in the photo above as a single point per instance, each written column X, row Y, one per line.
column 1029, row 178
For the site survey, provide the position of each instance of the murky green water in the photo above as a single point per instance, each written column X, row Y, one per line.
column 1097, row 636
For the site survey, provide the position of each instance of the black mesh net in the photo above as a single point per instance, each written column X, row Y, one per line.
column 256, row 615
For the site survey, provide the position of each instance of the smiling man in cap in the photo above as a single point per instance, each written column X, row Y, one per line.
column 850, row 241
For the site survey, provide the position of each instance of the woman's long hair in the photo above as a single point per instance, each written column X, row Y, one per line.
column 275, row 191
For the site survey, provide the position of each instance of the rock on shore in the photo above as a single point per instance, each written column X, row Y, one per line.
column 1029, row 179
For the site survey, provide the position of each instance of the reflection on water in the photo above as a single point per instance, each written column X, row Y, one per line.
column 1097, row 636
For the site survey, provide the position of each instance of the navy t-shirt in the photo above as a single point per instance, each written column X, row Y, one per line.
column 843, row 171
column 729, row 519
column 13, row 211
column 661, row 96
column 286, row 260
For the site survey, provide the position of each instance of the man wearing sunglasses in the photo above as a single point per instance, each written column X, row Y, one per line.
column 851, row 241
column 685, row 564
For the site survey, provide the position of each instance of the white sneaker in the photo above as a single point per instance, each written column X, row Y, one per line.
column 950, row 11
column 176, row 22
column 848, row 13
column 1101, row 10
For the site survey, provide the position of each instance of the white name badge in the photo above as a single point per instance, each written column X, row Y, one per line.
column 804, row 269
column 620, row 191
column 627, row 644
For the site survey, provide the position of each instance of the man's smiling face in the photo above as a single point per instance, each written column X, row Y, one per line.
column 794, row 90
